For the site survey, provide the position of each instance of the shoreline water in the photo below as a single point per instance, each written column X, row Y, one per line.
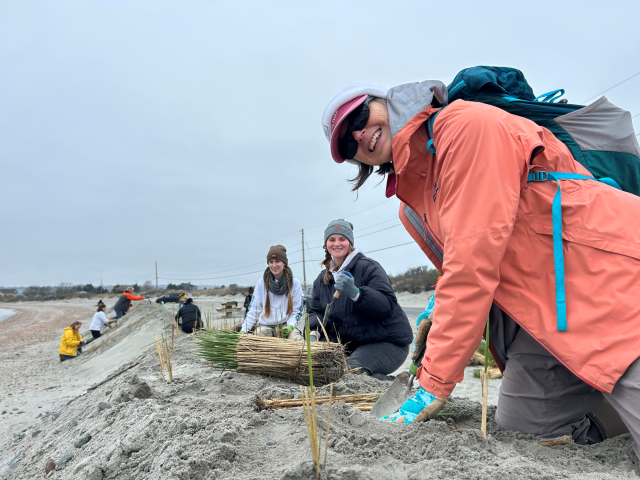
column 6, row 314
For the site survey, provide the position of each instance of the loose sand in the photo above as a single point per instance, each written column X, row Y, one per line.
column 203, row 425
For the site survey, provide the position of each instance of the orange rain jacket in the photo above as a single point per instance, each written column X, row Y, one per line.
column 489, row 232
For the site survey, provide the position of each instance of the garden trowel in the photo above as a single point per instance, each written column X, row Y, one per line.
column 327, row 309
column 393, row 398
column 399, row 393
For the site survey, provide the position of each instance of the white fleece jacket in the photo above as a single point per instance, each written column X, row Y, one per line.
column 278, row 303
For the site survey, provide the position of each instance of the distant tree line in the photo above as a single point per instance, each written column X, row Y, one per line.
column 60, row 290
column 187, row 287
column 415, row 280
column 69, row 289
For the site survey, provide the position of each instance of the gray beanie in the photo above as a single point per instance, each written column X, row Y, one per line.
column 340, row 227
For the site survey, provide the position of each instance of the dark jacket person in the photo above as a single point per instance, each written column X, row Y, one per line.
column 370, row 322
column 124, row 302
column 190, row 314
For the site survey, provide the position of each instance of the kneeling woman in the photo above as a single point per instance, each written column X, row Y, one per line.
column 99, row 319
column 366, row 317
column 277, row 300
column 71, row 342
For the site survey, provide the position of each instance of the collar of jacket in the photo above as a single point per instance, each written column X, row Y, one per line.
column 409, row 106
column 358, row 254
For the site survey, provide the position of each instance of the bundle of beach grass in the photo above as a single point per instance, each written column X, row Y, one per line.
column 275, row 357
column 363, row 401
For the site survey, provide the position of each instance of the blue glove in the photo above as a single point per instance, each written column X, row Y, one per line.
column 346, row 285
column 427, row 311
column 422, row 406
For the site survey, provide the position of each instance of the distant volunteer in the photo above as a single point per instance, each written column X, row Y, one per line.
column 124, row 302
column 190, row 315
column 366, row 317
column 99, row 320
column 480, row 190
column 182, row 297
column 276, row 305
column 247, row 300
column 71, row 343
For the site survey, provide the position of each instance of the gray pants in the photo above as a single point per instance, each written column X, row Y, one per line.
column 540, row 396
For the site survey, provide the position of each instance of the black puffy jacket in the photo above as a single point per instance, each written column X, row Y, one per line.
column 374, row 317
column 189, row 314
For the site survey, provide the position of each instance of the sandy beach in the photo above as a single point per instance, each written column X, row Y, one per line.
column 203, row 424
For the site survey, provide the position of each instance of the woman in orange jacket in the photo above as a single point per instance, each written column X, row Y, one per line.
column 71, row 342
column 488, row 231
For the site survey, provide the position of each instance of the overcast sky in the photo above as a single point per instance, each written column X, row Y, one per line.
column 188, row 133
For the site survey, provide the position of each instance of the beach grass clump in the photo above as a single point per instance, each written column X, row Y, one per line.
column 275, row 357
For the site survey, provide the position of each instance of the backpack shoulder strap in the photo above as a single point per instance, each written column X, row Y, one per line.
column 429, row 127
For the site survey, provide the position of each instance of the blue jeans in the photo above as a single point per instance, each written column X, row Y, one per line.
column 70, row 357
column 119, row 313
column 180, row 304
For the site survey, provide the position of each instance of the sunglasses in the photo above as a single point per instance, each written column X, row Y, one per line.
column 356, row 121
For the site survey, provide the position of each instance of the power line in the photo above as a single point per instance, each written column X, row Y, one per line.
column 232, row 253
column 312, row 262
column 611, row 88
column 352, row 215
column 381, row 230
column 387, row 248
column 357, row 235
column 215, row 272
column 227, row 276
column 195, row 275
column 376, row 224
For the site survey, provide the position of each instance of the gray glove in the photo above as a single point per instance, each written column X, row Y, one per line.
column 346, row 285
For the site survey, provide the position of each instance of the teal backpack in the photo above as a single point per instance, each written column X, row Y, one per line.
column 600, row 136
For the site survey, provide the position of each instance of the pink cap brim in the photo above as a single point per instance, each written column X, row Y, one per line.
column 342, row 113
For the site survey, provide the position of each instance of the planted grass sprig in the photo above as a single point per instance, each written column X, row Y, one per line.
column 309, row 404
column 484, row 379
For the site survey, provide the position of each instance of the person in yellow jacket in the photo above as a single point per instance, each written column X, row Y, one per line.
column 182, row 297
column 71, row 342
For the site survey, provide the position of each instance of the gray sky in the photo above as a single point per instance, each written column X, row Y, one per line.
column 189, row 132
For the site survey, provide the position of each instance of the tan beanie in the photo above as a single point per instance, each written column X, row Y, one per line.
column 279, row 253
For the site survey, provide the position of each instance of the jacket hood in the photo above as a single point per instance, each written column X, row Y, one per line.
column 405, row 101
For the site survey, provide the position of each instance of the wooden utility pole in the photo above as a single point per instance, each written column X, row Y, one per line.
column 156, row 279
column 100, row 286
column 304, row 266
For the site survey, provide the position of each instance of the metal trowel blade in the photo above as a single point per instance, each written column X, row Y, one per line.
column 392, row 400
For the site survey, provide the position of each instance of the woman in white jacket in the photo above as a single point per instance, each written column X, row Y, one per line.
column 99, row 319
column 276, row 306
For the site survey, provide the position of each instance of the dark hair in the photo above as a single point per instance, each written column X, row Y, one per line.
column 100, row 307
column 250, row 291
column 189, row 300
column 365, row 171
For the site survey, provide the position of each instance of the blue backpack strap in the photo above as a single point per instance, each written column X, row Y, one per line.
column 558, row 254
column 429, row 126
column 550, row 97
